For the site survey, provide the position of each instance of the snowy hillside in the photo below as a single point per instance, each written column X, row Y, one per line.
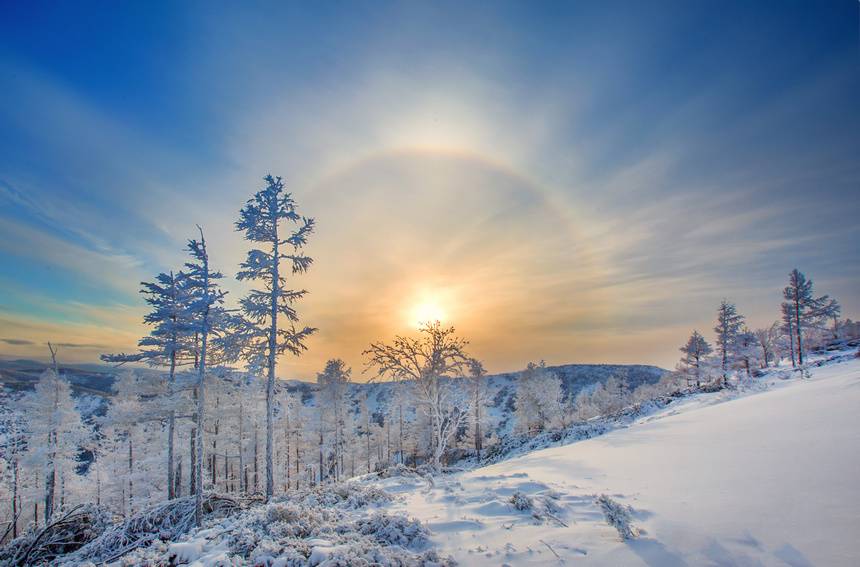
column 763, row 474
column 769, row 477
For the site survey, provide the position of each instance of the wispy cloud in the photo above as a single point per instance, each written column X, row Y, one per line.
column 17, row 342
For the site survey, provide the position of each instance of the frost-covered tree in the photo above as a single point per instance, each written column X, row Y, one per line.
column 695, row 352
column 605, row 398
column 261, row 221
column 747, row 348
column 209, row 321
column 169, row 344
column 129, row 441
column 429, row 368
column 12, row 445
column 767, row 339
column 728, row 329
column 802, row 312
column 477, row 385
column 540, row 399
column 55, row 434
column 334, row 386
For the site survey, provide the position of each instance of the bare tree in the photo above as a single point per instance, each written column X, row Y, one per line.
column 429, row 368
column 767, row 340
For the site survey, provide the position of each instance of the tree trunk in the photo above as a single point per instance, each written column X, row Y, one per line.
column 130, row 471
column 270, row 390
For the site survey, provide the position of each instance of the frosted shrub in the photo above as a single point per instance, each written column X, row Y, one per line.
column 393, row 530
column 521, row 501
column 617, row 515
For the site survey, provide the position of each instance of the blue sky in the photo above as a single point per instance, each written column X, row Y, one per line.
column 580, row 182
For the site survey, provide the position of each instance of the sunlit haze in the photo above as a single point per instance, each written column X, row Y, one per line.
column 575, row 182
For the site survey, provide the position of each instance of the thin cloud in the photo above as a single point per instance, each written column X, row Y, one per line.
column 17, row 342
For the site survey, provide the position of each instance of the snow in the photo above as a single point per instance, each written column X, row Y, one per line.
column 766, row 478
column 763, row 475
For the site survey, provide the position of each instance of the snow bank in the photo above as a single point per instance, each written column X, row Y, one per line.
column 767, row 475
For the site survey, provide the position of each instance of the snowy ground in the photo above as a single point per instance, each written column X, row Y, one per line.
column 766, row 478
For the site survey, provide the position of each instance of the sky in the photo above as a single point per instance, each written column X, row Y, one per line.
column 574, row 182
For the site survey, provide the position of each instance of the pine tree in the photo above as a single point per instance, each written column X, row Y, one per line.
column 260, row 220
column 695, row 352
column 803, row 312
column 56, row 433
column 210, row 323
column 539, row 397
column 477, row 385
column 334, row 383
column 170, row 343
column 728, row 329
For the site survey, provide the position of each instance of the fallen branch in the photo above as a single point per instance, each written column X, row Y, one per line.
column 550, row 548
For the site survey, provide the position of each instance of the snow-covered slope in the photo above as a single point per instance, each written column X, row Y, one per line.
column 766, row 475
column 770, row 477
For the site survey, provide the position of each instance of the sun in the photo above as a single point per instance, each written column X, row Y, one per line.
column 427, row 312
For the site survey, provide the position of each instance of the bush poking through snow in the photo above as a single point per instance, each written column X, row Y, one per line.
column 617, row 515
column 521, row 501
column 66, row 533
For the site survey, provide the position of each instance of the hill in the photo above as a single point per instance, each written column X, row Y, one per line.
column 761, row 477
column 761, row 474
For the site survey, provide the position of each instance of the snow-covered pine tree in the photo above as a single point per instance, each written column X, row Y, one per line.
column 55, row 434
column 695, row 352
column 529, row 416
column 260, row 220
column 334, row 384
column 12, row 445
column 131, row 422
column 802, row 312
column 477, row 385
column 540, row 398
column 170, row 344
column 728, row 329
column 208, row 320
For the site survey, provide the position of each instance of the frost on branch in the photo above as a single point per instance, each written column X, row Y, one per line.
column 63, row 534
column 617, row 515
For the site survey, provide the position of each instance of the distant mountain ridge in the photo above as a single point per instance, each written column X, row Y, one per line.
column 23, row 373
column 501, row 388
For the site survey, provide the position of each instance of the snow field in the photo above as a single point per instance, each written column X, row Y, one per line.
column 769, row 477
column 764, row 475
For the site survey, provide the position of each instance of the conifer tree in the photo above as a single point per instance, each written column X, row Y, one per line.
column 55, row 433
column 728, row 330
column 478, row 393
column 207, row 318
column 802, row 312
column 334, row 383
column 268, row 335
column 695, row 352
column 170, row 343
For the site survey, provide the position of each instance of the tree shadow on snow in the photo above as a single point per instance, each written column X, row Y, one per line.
column 792, row 556
column 655, row 553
